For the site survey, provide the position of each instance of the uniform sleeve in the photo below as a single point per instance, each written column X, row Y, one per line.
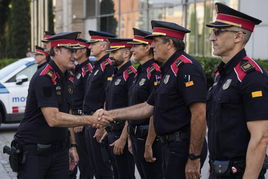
column 192, row 83
column 84, row 80
column 254, row 90
column 45, row 92
column 150, row 99
column 130, row 81
column 153, row 80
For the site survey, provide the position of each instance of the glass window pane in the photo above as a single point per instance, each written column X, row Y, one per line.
column 108, row 6
column 109, row 24
column 191, row 25
column 90, row 8
column 132, row 5
column 161, row 3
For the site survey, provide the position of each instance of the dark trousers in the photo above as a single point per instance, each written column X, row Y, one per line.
column 55, row 165
column 84, row 164
column 123, row 165
column 103, row 169
column 176, row 156
column 147, row 170
column 212, row 176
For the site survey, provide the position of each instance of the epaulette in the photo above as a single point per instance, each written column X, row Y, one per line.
column 86, row 68
column 71, row 75
column 130, row 70
column 151, row 69
column 48, row 71
column 105, row 63
column 245, row 66
column 178, row 63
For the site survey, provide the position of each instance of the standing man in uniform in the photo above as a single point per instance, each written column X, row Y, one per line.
column 47, row 34
column 95, row 98
column 41, row 57
column 81, row 72
column 178, row 104
column 237, row 114
column 42, row 133
column 117, row 97
column 146, row 146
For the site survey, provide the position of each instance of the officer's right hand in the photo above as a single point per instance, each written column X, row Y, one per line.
column 99, row 123
column 102, row 113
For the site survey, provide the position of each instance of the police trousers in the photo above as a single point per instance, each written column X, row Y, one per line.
column 212, row 176
column 123, row 165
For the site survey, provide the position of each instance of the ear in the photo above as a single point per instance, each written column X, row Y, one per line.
column 104, row 47
column 239, row 37
column 169, row 44
column 147, row 48
column 56, row 50
column 126, row 54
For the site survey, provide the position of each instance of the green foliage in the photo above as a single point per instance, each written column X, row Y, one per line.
column 6, row 61
column 19, row 36
column 108, row 24
column 4, row 12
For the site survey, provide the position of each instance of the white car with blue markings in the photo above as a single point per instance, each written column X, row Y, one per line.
column 14, row 83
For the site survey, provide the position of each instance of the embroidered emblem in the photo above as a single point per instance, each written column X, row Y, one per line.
column 141, row 83
column 109, row 78
column 117, row 81
column 50, row 73
column 256, row 94
column 166, row 79
column 70, row 89
column 226, row 84
column 58, row 93
column 78, row 76
column 247, row 66
column 189, row 83
column 178, row 62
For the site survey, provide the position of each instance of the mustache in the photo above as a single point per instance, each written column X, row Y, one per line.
column 112, row 59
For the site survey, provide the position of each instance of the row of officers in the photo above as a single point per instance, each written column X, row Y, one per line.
column 155, row 116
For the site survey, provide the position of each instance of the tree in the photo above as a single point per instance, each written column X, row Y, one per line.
column 50, row 16
column 19, row 33
column 4, row 12
column 109, row 23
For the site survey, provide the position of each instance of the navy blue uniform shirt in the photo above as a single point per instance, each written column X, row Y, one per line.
column 143, row 85
column 183, row 82
column 81, row 73
column 117, row 88
column 238, row 95
column 96, row 84
column 49, row 87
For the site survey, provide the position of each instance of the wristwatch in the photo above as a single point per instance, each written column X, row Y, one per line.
column 73, row 145
column 193, row 156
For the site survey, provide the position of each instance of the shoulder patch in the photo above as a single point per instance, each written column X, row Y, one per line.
column 105, row 63
column 151, row 69
column 130, row 70
column 178, row 63
column 86, row 69
column 245, row 66
column 48, row 70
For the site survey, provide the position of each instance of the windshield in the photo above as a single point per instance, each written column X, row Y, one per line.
column 10, row 68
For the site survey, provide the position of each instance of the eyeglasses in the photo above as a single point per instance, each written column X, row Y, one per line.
column 218, row 31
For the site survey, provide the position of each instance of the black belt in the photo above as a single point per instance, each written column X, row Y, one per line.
column 54, row 147
column 77, row 112
column 175, row 137
column 115, row 126
column 138, row 130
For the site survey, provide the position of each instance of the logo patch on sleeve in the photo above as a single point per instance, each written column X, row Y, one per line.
column 256, row 94
column 190, row 83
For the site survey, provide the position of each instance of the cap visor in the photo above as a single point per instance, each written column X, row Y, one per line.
column 45, row 40
column 218, row 25
column 38, row 53
column 152, row 36
column 135, row 43
column 112, row 49
column 92, row 41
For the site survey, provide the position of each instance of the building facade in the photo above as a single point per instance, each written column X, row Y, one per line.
column 120, row 16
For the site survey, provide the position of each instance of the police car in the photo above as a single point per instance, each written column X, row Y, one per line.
column 14, row 82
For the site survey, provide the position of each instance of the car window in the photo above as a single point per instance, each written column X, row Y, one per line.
column 10, row 68
column 29, row 72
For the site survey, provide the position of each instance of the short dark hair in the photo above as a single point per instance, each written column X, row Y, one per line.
column 151, row 52
column 51, row 52
column 178, row 43
column 88, row 52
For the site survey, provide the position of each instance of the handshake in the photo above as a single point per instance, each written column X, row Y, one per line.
column 101, row 118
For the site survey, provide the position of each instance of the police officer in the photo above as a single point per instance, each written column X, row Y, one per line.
column 95, row 98
column 178, row 104
column 47, row 34
column 146, row 146
column 237, row 101
column 117, row 97
column 81, row 72
column 41, row 57
column 43, row 131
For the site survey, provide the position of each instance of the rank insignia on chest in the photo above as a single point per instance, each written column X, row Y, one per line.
column 58, row 93
column 117, row 81
column 226, row 84
column 141, row 83
column 109, row 78
column 166, row 79
column 78, row 76
column 96, row 73
column 189, row 83
column 70, row 89
column 50, row 73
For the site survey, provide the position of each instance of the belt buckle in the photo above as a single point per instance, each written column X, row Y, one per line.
column 135, row 130
column 178, row 136
column 79, row 111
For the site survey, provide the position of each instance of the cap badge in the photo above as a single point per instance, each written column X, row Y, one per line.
column 141, row 83
column 117, row 82
column 226, row 84
column 166, row 79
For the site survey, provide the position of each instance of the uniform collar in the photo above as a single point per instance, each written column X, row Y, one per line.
column 165, row 66
column 57, row 70
column 123, row 68
column 102, row 60
column 40, row 66
column 78, row 66
column 229, row 66
column 146, row 65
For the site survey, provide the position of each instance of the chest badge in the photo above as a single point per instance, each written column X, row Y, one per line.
column 96, row 73
column 226, row 84
column 117, row 82
column 78, row 76
column 70, row 89
column 166, row 79
column 141, row 83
